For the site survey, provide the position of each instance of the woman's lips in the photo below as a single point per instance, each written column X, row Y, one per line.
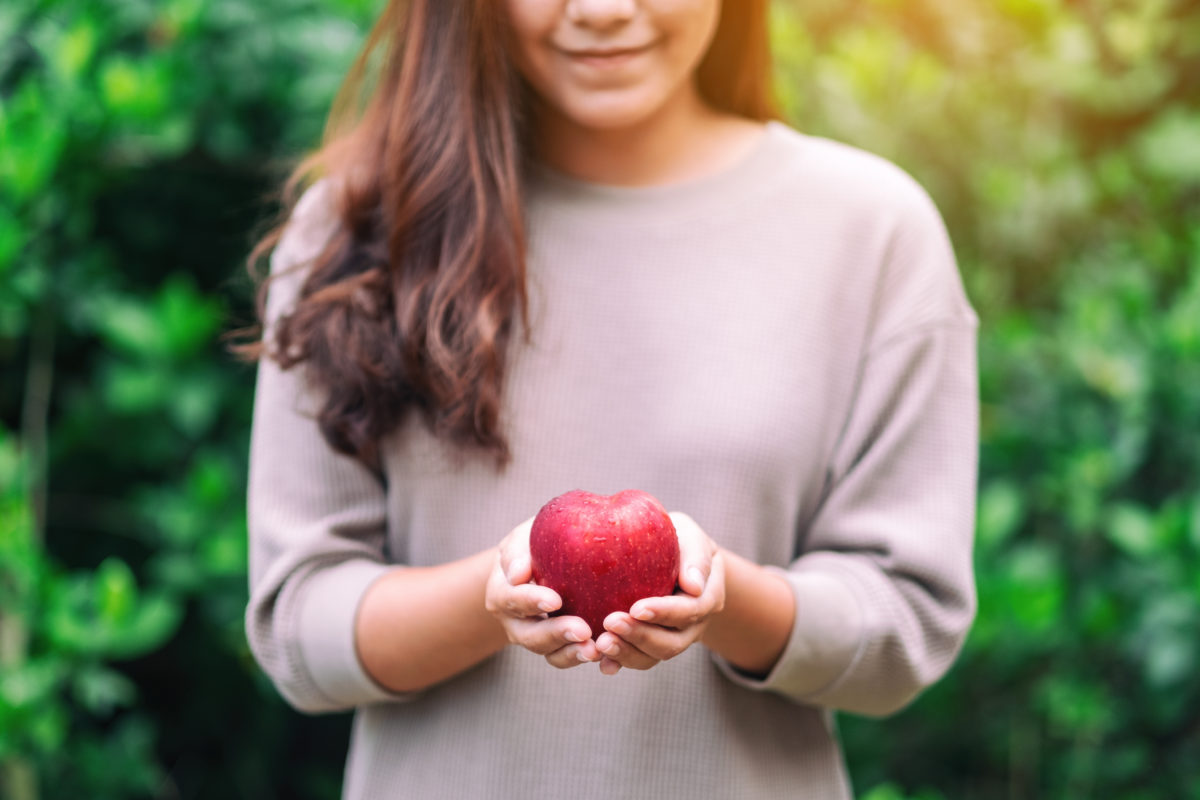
column 609, row 59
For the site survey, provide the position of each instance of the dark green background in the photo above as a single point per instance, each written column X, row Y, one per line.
column 139, row 140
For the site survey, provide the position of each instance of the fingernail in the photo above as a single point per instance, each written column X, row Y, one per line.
column 546, row 605
column 643, row 614
column 620, row 627
column 572, row 636
column 582, row 656
column 697, row 576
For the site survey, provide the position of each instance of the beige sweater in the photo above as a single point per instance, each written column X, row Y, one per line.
column 784, row 351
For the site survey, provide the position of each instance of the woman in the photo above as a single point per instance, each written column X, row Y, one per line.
column 563, row 244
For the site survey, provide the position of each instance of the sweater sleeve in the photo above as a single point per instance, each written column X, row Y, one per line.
column 883, row 581
column 316, row 518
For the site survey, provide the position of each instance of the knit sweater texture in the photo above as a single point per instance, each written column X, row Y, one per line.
column 784, row 351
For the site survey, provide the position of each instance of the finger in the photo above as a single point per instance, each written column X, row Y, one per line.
column 525, row 600
column 677, row 611
column 514, row 554
column 572, row 655
column 519, row 569
column 544, row 636
column 609, row 667
column 649, row 644
column 623, row 652
column 695, row 554
column 682, row 610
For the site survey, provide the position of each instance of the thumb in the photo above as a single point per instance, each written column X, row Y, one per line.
column 515, row 560
column 519, row 570
column 695, row 554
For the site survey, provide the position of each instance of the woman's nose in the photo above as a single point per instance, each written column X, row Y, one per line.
column 600, row 13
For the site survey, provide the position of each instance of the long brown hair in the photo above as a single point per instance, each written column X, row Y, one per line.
column 412, row 303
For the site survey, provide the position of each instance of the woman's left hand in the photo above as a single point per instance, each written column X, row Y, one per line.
column 659, row 628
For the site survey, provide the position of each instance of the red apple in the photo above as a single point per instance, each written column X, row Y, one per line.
column 602, row 554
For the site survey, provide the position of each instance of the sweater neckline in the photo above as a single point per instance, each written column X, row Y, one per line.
column 721, row 189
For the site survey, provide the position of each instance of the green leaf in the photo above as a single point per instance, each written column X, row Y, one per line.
column 1076, row 708
column 74, row 50
column 1131, row 528
column 103, row 615
column 12, row 239
column 132, row 389
column 1164, row 640
column 128, row 324
column 136, row 89
column 33, row 683
column 173, row 324
column 1034, row 589
column 116, row 590
column 1001, row 510
column 101, row 690
column 885, row 791
column 1182, row 327
column 1170, row 148
column 32, row 140
column 224, row 553
column 156, row 621
column 187, row 319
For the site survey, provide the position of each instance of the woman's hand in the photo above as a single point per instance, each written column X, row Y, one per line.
column 660, row 628
column 522, row 607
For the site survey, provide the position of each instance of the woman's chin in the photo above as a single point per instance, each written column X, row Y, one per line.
column 611, row 116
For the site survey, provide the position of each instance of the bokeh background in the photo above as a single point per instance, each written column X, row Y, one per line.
column 139, row 142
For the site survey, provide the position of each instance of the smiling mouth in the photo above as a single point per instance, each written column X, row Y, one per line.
column 599, row 53
column 606, row 58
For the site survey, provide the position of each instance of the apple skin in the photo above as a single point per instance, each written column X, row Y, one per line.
column 603, row 554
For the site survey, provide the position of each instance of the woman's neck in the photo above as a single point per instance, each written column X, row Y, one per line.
column 684, row 139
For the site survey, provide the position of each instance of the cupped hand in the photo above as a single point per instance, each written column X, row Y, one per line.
column 522, row 607
column 659, row 628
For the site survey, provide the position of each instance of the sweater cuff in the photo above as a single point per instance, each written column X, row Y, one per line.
column 826, row 637
column 326, row 633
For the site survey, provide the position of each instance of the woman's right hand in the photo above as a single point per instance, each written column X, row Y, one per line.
column 522, row 607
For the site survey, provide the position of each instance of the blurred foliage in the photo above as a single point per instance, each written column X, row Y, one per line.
column 138, row 140
column 1062, row 142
